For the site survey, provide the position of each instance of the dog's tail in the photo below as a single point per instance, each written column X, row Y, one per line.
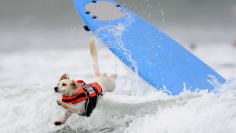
column 94, row 54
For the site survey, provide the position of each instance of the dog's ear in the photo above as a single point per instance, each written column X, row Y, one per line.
column 64, row 76
column 75, row 84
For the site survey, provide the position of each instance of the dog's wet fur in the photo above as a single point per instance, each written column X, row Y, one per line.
column 68, row 87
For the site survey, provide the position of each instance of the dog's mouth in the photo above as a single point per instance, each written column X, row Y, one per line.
column 56, row 89
column 61, row 91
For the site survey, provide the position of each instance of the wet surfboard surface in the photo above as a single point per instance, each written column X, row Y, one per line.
column 153, row 55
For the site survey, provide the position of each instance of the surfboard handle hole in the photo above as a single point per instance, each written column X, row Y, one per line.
column 118, row 5
column 87, row 12
column 95, row 17
column 94, row 1
column 86, row 28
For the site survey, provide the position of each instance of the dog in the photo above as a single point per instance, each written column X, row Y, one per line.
column 79, row 97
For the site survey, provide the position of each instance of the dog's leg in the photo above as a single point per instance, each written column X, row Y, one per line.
column 71, row 108
column 63, row 119
column 112, row 83
column 63, row 104
column 94, row 54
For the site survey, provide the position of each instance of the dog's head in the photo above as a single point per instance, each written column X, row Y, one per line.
column 66, row 86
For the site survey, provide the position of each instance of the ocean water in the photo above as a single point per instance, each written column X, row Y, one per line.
column 41, row 40
column 28, row 102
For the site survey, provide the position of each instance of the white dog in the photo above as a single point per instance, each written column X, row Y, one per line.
column 79, row 97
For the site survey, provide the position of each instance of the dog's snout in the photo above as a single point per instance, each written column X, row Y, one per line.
column 56, row 89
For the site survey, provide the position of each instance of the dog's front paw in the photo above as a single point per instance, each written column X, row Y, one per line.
column 58, row 123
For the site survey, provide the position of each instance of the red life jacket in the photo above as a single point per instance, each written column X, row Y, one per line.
column 84, row 93
column 81, row 82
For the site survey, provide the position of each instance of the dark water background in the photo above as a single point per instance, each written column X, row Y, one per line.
column 52, row 23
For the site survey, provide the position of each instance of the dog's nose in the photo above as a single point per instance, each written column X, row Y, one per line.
column 56, row 89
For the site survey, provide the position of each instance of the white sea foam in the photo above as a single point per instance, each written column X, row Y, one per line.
column 28, row 103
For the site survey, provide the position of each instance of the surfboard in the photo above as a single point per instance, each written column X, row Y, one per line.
column 153, row 55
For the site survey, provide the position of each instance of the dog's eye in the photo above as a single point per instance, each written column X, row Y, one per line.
column 63, row 84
